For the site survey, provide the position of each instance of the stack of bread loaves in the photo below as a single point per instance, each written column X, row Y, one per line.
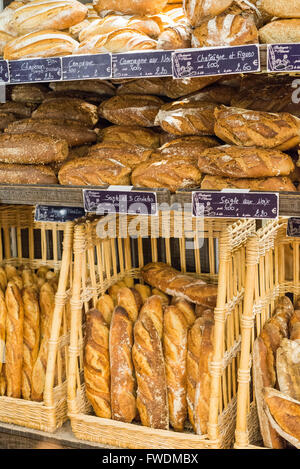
column 26, row 309
column 276, row 376
column 153, row 350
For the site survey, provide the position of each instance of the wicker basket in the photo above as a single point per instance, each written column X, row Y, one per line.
column 272, row 270
column 99, row 263
column 25, row 242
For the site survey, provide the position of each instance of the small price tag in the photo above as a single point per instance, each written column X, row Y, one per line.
column 283, row 58
column 50, row 213
column 4, row 76
column 78, row 67
column 35, row 70
column 216, row 61
column 293, row 228
column 142, row 64
column 120, row 201
column 261, row 205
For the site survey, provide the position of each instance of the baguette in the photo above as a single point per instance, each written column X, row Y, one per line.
column 134, row 135
column 3, row 317
column 287, row 368
column 67, row 108
column 123, row 401
column 105, row 305
column 274, row 184
column 96, row 364
column 244, row 162
column 31, row 338
column 253, row 128
column 10, row 271
column 186, row 308
column 187, row 118
column 175, row 353
column 152, row 309
column 139, row 7
column 14, row 340
column 121, row 40
column 48, row 14
column 148, row 360
column 174, row 283
column 113, row 290
column 127, row 300
column 47, row 43
column 26, row 174
column 3, row 279
column 192, row 367
column 131, row 109
column 143, row 290
column 47, row 302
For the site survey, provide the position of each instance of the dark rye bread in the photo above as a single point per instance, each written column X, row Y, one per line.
column 67, row 108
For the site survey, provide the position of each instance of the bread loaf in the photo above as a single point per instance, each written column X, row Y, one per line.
column 26, row 174
column 149, row 365
column 131, row 109
column 47, row 43
column 132, row 135
column 171, row 172
column 33, row 93
column 253, row 128
column 220, row 94
column 138, row 7
column 152, row 308
column 124, row 153
column 127, row 300
column 143, row 290
column 196, row 11
column 121, row 40
column 280, row 31
column 175, row 353
column 31, row 338
column 6, row 119
column 93, row 171
column 123, row 401
column 225, row 30
column 6, row 16
column 165, row 300
column 48, row 14
column 98, row 87
column 155, row 86
column 73, row 132
column 3, row 317
column 14, row 340
column 187, row 147
column 105, row 305
column 172, row 282
column 96, row 364
column 20, row 110
column 287, row 367
column 10, row 271
column 244, row 162
column 282, row 9
column 175, row 37
column 186, row 308
column 192, row 366
column 187, row 118
column 284, row 415
column 47, row 302
column 31, row 148
column 3, row 279
column 273, row 184
column 69, row 108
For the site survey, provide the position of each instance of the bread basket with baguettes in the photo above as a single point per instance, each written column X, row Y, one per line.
column 34, row 319
column 101, row 399
column 267, row 374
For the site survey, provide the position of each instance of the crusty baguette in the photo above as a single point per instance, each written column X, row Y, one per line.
column 31, row 338
column 105, row 305
column 175, row 353
column 148, row 360
column 10, row 271
column 47, row 301
column 96, row 364
column 152, row 308
column 123, row 400
column 143, row 290
column 186, row 308
column 192, row 364
column 14, row 340
column 131, row 301
column 172, row 282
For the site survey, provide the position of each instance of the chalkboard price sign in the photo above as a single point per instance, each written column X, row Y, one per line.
column 4, row 77
column 35, row 70
column 235, row 205
column 293, row 228
column 216, row 61
column 50, row 213
column 283, row 58
column 142, row 64
column 79, row 67
column 118, row 201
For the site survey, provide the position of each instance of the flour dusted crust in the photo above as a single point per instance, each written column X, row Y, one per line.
column 175, row 37
column 244, row 162
column 253, row 128
column 123, row 385
column 197, row 10
column 187, row 118
column 131, row 7
column 276, row 184
column 125, row 153
column 154, row 86
column 133, row 135
column 225, row 30
column 288, row 369
column 122, row 40
column 48, row 14
column 47, row 43
column 187, row 147
column 280, row 31
column 131, row 109
column 178, row 88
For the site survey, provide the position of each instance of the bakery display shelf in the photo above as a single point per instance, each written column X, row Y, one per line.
column 70, row 196
column 289, row 202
